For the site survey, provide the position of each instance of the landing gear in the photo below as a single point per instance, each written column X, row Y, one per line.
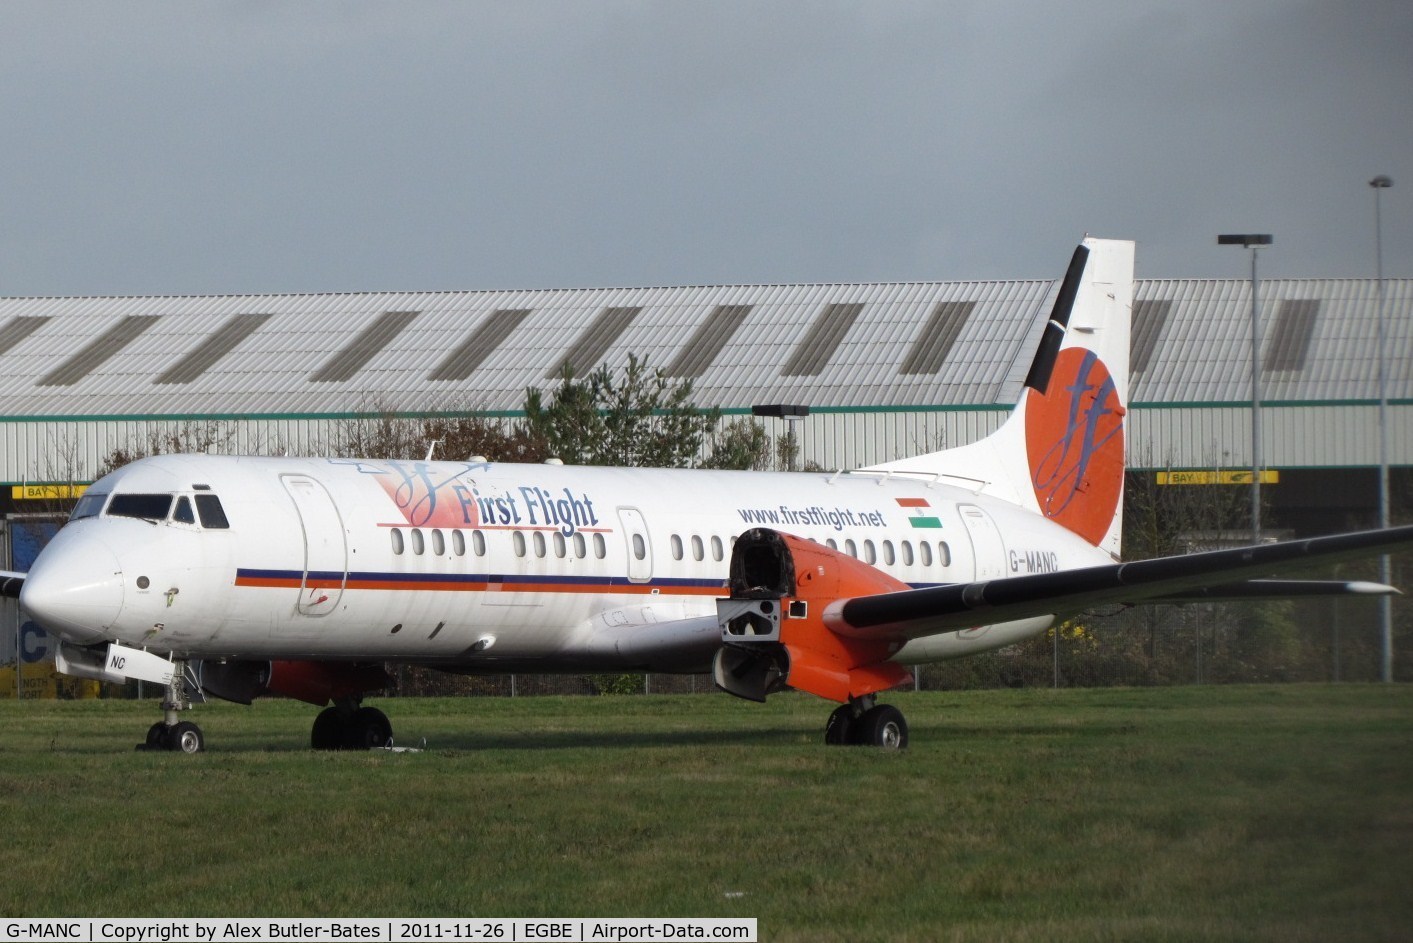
column 346, row 726
column 169, row 733
column 861, row 722
column 840, row 726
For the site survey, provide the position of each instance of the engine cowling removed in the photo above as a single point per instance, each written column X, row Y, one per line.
column 772, row 627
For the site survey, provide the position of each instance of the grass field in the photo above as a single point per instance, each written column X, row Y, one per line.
column 1199, row 813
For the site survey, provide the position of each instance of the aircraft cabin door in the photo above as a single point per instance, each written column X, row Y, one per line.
column 325, row 545
column 988, row 550
column 640, row 548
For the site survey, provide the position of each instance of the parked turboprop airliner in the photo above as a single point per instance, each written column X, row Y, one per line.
column 240, row 577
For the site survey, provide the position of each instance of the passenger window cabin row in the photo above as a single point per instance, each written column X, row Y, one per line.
column 417, row 542
column 902, row 553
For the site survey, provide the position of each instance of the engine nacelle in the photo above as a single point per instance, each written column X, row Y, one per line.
column 772, row 628
column 314, row 682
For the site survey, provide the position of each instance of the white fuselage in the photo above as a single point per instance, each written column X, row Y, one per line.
column 492, row 567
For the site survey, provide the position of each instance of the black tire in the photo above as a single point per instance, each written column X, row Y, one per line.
column 368, row 729
column 156, row 737
column 882, row 726
column 839, row 726
column 186, row 737
column 329, row 729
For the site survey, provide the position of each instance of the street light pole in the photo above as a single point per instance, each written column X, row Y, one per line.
column 791, row 414
column 1379, row 184
column 1253, row 241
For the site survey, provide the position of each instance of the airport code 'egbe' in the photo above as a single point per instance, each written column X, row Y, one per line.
column 213, row 930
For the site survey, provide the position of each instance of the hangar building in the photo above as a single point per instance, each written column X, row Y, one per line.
column 886, row 369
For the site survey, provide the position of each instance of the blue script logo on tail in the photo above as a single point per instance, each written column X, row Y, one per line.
column 1074, row 439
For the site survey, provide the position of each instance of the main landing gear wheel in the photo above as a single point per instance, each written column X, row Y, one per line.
column 328, row 730
column 369, row 729
column 862, row 723
column 841, row 723
column 881, row 726
column 344, row 727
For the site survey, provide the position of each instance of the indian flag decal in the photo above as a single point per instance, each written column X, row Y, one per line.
column 920, row 512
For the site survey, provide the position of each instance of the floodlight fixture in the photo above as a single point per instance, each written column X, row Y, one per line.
column 1249, row 240
column 780, row 410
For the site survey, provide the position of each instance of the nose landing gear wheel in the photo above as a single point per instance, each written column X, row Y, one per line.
column 169, row 733
column 184, row 737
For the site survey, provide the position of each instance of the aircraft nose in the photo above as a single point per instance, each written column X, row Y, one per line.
column 75, row 589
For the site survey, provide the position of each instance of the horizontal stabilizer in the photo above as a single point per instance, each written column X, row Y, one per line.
column 921, row 612
column 10, row 583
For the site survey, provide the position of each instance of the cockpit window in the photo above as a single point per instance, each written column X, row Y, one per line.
column 148, row 507
column 90, row 505
column 182, row 512
column 213, row 516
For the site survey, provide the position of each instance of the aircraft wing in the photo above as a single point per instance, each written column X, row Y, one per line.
column 1221, row 574
column 1277, row 589
column 10, row 583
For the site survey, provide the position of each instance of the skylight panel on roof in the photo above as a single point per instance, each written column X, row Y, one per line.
column 708, row 340
column 472, row 352
column 17, row 329
column 929, row 352
column 96, row 352
column 595, row 341
column 363, row 348
column 825, row 336
column 1290, row 342
column 1149, row 319
column 211, row 350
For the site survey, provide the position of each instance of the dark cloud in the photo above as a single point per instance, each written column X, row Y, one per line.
column 218, row 147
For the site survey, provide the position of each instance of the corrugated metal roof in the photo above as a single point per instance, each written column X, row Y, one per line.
column 949, row 344
column 1204, row 354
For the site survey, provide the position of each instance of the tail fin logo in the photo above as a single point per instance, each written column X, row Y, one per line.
column 1074, row 439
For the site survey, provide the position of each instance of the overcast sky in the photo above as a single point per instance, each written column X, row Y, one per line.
column 219, row 147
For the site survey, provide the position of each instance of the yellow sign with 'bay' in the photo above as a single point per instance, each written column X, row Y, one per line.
column 1218, row 476
column 46, row 492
